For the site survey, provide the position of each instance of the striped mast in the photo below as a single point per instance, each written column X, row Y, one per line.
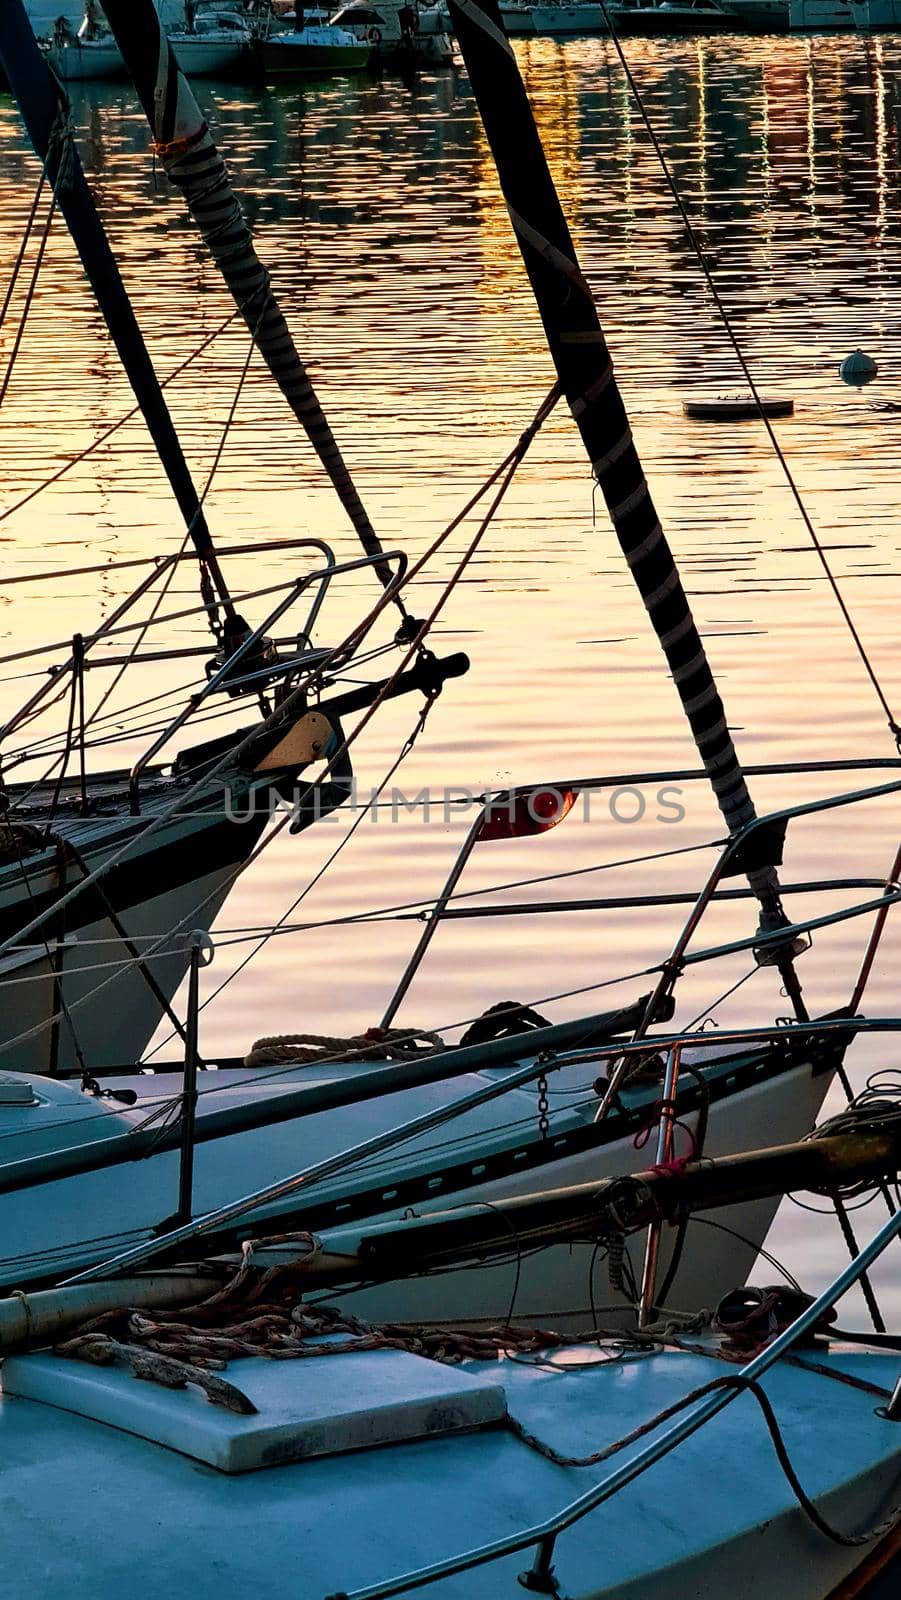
column 585, row 370
column 45, row 112
column 185, row 148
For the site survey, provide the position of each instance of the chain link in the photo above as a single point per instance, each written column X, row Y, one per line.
column 544, row 1123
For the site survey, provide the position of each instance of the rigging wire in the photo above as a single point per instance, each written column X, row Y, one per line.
column 505, row 473
column 170, row 575
column 126, row 719
column 707, row 1012
column 694, row 242
column 65, row 1010
column 312, row 882
column 279, row 1073
column 241, row 935
column 23, row 246
column 402, row 909
column 76, row 460
column 758, row 1250
column 62, row 763
column 77, row 679
column 127, row 723
column 29, row 297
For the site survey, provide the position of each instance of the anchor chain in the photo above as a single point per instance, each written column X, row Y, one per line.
column 544, row 1122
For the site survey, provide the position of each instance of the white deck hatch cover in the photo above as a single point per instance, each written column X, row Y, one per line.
column 322, row 1405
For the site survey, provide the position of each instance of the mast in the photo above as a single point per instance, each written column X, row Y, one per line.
column 584, row 367
column 184, row 146
column 45, row 112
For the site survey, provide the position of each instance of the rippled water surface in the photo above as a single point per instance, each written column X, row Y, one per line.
column 376, row 206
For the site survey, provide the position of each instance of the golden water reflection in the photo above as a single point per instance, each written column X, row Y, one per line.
column 377, row 208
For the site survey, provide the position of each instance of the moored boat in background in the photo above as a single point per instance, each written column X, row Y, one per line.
column 760, row 16
column 405, row 34
column 653, row 17
column 212, row 43
column 820, row 16
column 88, row 54
column 560, row 19
column 875, row 16
column 312, row 50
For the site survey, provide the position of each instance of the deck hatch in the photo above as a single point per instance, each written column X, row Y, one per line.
column 323, row 1405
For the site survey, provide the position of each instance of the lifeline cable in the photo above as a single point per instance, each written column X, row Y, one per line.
column 742, row 1385
column 312, row 882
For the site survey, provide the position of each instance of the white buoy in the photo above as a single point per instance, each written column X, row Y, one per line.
column 858, row 369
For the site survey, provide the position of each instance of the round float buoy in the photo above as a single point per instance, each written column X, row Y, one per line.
column 858, row 369
column 737, row 407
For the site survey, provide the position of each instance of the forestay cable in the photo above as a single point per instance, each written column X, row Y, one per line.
column 695, row 244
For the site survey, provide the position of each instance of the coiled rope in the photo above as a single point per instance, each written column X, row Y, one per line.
column 266, row 1315
column 376, row 1044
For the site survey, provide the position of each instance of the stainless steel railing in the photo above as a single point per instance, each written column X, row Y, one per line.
column 543, row 1536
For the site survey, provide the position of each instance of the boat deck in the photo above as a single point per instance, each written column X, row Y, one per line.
column 97, row 1512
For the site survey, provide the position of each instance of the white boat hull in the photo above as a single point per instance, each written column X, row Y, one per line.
column 876, row 16
column 73, row 991
column 430, row 43
column 820, row 16
column 114, row 1011
column 584, row 19
column 55, row 1227
column 835, row 16
column 554, row 1287
column 209, row 58
column 84, row 60
column 81, row 62
column 762, row 16
column 553, row 21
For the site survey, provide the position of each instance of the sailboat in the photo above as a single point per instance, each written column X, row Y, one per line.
column 757, row 1448
column 350, row 1138
column 401, row 34
column 229, row 1398
column 562, row 19
column 308, row 47
column 103, row 875
column 213, row 42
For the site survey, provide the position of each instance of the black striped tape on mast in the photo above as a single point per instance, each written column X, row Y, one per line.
column 45, row 113
column 193, row 164
column 586, row 374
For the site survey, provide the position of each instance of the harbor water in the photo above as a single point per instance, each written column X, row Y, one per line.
column 375, row 204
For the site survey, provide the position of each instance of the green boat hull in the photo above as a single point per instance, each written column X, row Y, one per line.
column 280, row 61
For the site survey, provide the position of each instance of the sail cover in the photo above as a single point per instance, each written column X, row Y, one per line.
column 45, row 113
column 193, row 164
column 586, row 374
